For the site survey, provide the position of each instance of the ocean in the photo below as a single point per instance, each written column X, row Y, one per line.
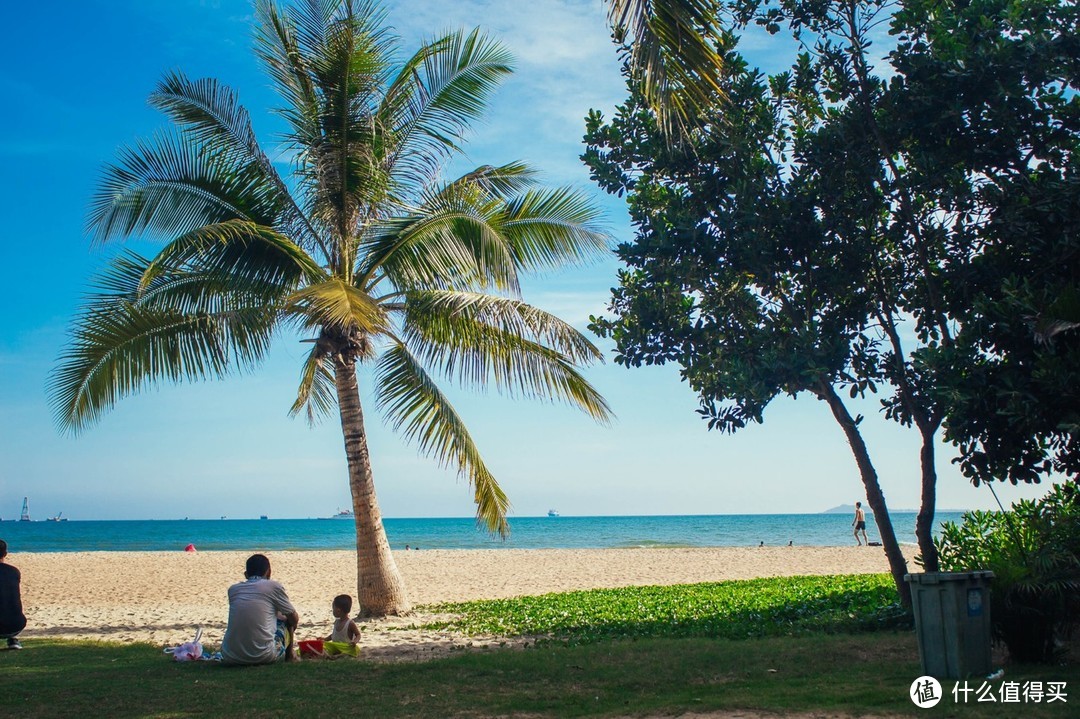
column 724, row 530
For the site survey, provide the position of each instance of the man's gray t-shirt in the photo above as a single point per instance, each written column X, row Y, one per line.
column 253, row 609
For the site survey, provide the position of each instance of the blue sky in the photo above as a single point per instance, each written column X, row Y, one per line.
column 75, row 82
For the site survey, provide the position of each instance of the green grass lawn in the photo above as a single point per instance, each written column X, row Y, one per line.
column 698, row 665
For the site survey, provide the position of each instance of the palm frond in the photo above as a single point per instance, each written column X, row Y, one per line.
column 118, row 348
column 438, row 91
column 278, row 48
column 416, row 407
column 673, row 54
column 315, row 48
column 336, row 304
column 354, row 31
column 447, row 242
column 211, row 115
column 184, row 290
column 330, row 62
column 1063, row 315
column 317, row 395
column 478, row 353
column 167, row 188
column 484, row 187
column 239, row 251
column 549, row 228
column 347, row 52
column 437, row 309
column 501, row 181
column 466, row 235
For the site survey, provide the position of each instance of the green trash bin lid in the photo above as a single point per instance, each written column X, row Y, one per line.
column 939, row 577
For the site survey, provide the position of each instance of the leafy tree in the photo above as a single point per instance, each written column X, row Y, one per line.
column 856, row 155
column 672, row 53
column 364, row 251
column 737, row 273
column 914, row 190
column 986, row 109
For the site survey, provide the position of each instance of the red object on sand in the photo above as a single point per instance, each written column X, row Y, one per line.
column 312, row 648
column 189, row 548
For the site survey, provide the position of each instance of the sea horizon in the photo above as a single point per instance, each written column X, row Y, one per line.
column 846, row 509
column 543, row 532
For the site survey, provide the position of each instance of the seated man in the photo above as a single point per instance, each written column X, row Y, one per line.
column 12, row 620
column 262, row 621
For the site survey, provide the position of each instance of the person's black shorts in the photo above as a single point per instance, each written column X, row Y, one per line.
column 860, row 525
column 10, row 627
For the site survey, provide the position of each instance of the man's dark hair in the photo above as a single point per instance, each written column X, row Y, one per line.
column 343, row 602
column 257, row 566
column 3, row 549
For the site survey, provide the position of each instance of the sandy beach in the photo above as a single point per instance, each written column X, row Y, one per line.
column 161, row 597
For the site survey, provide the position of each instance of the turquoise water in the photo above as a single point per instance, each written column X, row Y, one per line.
column 723, row 530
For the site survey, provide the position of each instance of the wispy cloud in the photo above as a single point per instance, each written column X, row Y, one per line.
column 565, row 64
column 572, row 307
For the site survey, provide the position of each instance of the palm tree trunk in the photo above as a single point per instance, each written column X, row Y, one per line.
column 874, row 496
column 379, row 586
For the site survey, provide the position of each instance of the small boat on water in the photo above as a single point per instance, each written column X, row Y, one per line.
column 58, row 518
column 553, row 513
column 341, row 514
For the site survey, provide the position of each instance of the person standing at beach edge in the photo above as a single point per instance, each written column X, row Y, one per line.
column 262, row 620
column 12, row 619
column 860, row 524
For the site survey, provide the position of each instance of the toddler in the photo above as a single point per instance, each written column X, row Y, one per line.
column 345, row 637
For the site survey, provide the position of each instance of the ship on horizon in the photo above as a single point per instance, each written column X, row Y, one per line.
column 341, row 514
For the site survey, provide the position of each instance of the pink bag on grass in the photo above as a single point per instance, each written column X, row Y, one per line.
column 188, row 651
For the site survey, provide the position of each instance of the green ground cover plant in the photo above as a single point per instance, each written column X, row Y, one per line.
column 733, row 610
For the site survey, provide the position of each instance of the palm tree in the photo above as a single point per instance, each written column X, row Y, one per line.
column 364, row 252
column 673, row 54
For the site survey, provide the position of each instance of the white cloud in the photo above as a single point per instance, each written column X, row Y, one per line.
column 541, row 33
column 572, row 307
column 565, row 65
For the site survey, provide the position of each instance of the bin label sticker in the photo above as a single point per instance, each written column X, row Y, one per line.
column 975, row 602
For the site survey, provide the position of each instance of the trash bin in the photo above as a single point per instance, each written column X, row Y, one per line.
column 952, row 622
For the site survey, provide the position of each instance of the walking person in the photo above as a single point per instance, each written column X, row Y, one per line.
column 860, row 524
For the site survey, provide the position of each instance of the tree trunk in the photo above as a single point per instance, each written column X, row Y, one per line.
column 874, row 497
column 379, row 586
column 924, row 523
